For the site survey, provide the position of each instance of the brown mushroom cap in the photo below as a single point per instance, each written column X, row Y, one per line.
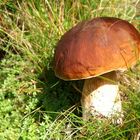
column 95, row 47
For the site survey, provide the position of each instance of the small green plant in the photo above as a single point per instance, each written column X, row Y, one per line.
column 34, row 104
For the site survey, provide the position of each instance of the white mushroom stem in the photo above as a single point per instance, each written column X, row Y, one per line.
column 101, row 98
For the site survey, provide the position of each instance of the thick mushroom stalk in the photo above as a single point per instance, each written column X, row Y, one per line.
column 101, row 98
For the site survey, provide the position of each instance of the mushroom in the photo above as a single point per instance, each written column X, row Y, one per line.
column 96, row 50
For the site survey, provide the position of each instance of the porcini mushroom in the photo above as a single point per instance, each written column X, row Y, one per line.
column 95, row 50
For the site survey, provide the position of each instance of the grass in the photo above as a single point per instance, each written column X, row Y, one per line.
column 34, row 104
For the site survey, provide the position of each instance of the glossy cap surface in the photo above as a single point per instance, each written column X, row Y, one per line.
column 95, row 47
